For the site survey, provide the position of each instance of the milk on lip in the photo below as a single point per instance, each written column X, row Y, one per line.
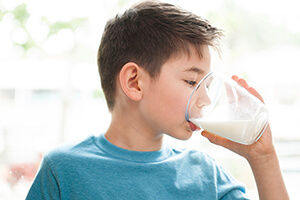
column 236, row 130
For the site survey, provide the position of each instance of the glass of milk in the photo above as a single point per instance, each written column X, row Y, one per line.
column 221, row 106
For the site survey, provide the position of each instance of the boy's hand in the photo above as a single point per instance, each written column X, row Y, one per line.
column 263, row 148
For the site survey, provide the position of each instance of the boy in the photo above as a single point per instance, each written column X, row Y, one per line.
column 150, row 58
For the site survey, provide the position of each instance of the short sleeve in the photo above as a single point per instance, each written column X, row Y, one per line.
column 228, row 188
column 45, row 185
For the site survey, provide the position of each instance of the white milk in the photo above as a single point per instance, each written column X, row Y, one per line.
column 235, row 130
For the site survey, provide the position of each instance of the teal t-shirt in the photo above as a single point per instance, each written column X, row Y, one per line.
column 98, row 170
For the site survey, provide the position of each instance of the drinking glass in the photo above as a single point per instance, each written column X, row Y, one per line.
column 221, row 106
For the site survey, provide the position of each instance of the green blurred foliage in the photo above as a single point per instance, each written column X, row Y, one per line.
column 98, row 94
column 2, row 13
column 21, row 14
column 122, row 3
column 55, row 27
column 28, row 45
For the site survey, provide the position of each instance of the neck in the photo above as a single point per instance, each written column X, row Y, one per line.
column 132, row 133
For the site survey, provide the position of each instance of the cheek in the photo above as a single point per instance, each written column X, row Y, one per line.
column 165, row 106
column 173, row 103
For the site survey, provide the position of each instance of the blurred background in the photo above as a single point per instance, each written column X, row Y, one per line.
column 50, row 91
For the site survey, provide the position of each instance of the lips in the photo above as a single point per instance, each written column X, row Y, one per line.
column 193, row 126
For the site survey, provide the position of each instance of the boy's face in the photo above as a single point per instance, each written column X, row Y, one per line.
column 164, row 101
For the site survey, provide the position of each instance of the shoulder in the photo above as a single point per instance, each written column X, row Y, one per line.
column 195, row 156
column 193, row 153
column 209, row 168
column 71, row 152
column 201, row 160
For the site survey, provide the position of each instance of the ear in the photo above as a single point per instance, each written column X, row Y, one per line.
column 131, row 81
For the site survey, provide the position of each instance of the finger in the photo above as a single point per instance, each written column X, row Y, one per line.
column 255, row 93
column 218, row 140
column 230, row 93
column 240, row 82
column 235, row 77
column 243, row 83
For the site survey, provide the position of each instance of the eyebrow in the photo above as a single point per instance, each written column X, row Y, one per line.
column 195, row 69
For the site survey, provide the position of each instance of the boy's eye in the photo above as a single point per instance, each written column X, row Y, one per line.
column 192, row 83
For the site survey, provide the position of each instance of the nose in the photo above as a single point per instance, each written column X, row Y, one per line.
column 202, row 98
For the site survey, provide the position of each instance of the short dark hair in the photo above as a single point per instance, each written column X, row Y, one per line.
column 148, row 34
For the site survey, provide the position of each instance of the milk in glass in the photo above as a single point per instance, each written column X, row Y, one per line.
column 235, row 130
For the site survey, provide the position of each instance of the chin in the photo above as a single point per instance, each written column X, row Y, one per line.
column 183, row 135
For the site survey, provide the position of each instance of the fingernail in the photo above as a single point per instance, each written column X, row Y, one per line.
column 234, row 77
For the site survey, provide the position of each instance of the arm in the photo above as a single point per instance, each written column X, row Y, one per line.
column 45, row 185
column 261, row 157
column 268, row 177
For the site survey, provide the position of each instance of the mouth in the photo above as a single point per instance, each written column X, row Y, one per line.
column 193, row 126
